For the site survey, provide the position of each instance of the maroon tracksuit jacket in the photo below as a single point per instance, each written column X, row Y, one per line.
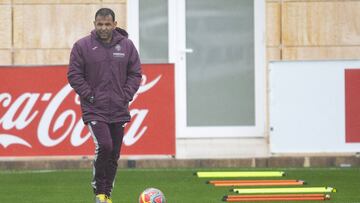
column 110, row 73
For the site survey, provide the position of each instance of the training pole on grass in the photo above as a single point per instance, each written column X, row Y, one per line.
column 241, row 198
column 275, row 195
column 259, row 184
column 277, row 199
column 232, row 174
column 251, row 181
column 285, row 190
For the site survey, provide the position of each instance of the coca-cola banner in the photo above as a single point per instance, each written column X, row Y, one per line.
column 40, row 114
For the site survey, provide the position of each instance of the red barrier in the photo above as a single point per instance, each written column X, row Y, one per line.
column 352, row 109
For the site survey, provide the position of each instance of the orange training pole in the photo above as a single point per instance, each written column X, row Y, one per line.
column 295, row 197
column 258, row 184
column 275, row 195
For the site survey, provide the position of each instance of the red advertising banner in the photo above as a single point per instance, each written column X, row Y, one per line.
column 40, row 114
column 352, row 102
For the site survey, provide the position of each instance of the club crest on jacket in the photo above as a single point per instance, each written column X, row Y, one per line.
column 118, row 47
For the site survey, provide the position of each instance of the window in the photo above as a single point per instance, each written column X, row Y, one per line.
column 153, row 31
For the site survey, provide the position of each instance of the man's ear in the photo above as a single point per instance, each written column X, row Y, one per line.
column 115, row 24
column 94, row 23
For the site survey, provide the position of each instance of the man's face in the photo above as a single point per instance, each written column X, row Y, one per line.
column 104, row 25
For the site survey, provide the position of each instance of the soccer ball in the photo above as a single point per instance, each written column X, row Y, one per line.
column 152, row 195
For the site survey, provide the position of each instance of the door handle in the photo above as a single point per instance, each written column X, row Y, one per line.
column 187, row 50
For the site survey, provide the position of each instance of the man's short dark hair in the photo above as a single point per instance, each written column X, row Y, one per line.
column 105, row 12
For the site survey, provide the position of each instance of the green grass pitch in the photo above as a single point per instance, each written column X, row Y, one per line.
column 178, row 185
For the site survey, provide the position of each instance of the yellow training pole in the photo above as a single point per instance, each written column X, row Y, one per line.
column 285, row 190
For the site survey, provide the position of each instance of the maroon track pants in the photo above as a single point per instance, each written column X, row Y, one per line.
column 108, row 139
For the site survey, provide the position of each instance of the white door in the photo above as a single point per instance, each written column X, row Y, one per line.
column 219, row 53
column 220, row 88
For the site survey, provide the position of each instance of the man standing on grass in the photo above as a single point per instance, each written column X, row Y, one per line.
column 105, row 72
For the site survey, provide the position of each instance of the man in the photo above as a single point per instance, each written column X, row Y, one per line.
column 105, row 72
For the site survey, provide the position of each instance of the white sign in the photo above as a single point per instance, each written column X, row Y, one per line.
column 307, row 107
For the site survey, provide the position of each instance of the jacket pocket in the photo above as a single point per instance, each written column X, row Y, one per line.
column 101, row 98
